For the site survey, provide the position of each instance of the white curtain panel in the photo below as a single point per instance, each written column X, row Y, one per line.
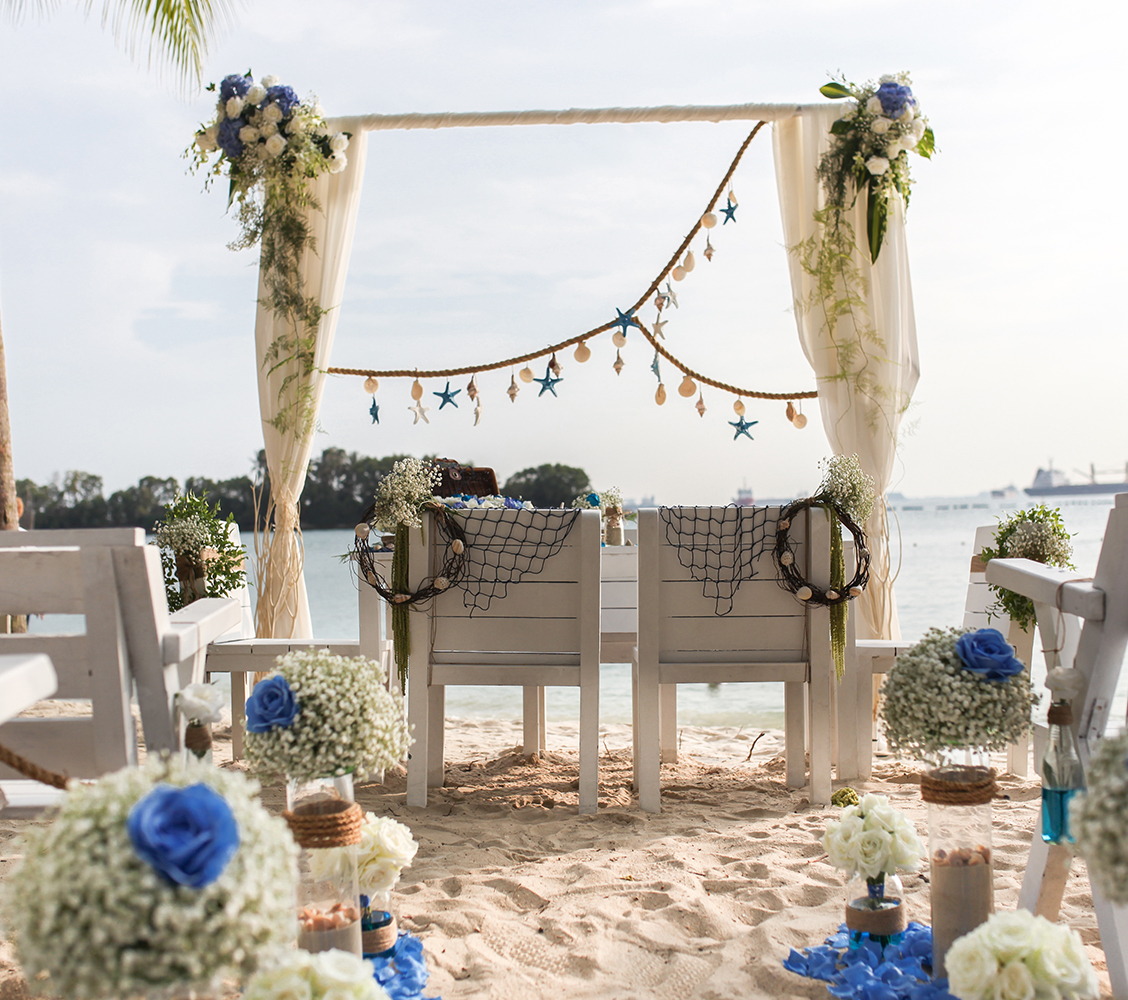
column 283, row 606
column 861, row 417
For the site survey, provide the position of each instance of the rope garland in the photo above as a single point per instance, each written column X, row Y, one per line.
column 332, row 823
column 553, row 348
column 31, row 770
column 959, row 786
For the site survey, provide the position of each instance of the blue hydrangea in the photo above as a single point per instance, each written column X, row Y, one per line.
column 894, row 97
column 228, row 137
column 284, row 97
column 234, row 86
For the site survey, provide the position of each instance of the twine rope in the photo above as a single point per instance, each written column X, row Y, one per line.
column 1061, row 614
column 30, row 769
column 978, row 787
column 198, row 739
column 554, row 348
column 333, row 823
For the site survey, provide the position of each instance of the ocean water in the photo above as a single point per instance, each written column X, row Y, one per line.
column 931, row 542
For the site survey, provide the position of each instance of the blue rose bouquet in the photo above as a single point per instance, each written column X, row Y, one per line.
column 322, row 715
column 956, row 689
column 167, row 877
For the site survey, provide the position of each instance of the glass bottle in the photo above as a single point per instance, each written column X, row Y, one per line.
column 874, row 911
column 1062, row 774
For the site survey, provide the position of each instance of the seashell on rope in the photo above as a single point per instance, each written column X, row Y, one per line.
column 800, row 421
column 688, row 261
column 371, row 385
column 708, row 220
column 738, row 407
column 700, row 405
column 458, row 546
column 583, row 352
column 362, row 530
column 513, row 389
column 804, row 593
column 416, row 390
column 619, row 363
column 619, row 339
column 678, row 273
column 660, row 395
column 526, row 374
column 688, row 387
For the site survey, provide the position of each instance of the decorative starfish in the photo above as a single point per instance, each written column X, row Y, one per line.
column 730, row 213
column 420, row 412
column 658, row 324
column 671, row 296
column 548, row 382
column 623, row 320
column 447, row 396
column 742, row 426
column 375, row 411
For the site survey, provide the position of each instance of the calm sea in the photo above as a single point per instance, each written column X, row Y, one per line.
column 934, row 538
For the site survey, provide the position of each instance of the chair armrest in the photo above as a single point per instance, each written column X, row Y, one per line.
column 25, row 678
column 193, row 627
column 1048, row 585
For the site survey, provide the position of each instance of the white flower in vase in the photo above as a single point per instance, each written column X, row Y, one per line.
column 257, row 94
column 270, row 81
column 200, row 704
column 248, row 134
column 275, row 145
column 339, row 143
column 273, row 114
column 337, row 163
column 234, row 106
column 880, row 126
column 877, row 165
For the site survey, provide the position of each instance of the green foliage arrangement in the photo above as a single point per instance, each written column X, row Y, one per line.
column 1039, row 534
column 198, row 557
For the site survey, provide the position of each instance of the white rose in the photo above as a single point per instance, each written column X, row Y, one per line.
column 339, row 968
column 275, row 144
column 270, row 81
column 971, row 969
column 877, row 165
column 257, row 94
column 206, row 139
column 220, row 111
column 318, row 111
column 1014, row 983
column 282, row 984
column 871, row 801
column 873, row 852
column 884, row 817
column 296, row 125
column 267, row 130
column 880, row 125
column 234, row 106
column 339, row 143
column 1012, row 934
column 248, row 134
column 1077, row 973
column 272, row 113
column 200, row 703
column 873, row 106
column 917, row 127
column 337, row 163
column 908, row 112
column 907, row 850
column 260, row 150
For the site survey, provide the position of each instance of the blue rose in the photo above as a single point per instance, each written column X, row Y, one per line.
column 272, row 705
column 284, row 97
column 512, row 504
column 894, row 97
column 188, row 835
column 234, row 86
column 228, row 137
column 593, row 499
column 987, row 653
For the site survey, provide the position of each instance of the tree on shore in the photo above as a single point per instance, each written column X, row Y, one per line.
column 547, row 485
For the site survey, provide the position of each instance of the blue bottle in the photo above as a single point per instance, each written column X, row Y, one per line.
column 1062, row 775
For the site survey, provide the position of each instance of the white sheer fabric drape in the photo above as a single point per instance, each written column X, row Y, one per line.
column 282, row 609
column 862, row 412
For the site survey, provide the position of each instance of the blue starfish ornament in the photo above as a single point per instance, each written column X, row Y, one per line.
column 548, row 382
column 654, row 367
column 742, row 426
column 375, row 411
column 447, row 396
column 624, row 320
column 730, row 214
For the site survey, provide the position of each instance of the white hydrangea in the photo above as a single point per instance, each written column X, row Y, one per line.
column 1099, row 819
column 347, row 722
column 1015, row 954
column 82, row 907
column 872, row 839
column 931, row 703
column 328, row 975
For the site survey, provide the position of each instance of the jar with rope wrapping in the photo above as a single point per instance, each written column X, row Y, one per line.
column 326, row 824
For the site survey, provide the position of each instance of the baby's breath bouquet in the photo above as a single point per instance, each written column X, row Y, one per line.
column 157, row 879
column 1099, row 819
column 198, row 557
column 322, row 715
column 957, row 688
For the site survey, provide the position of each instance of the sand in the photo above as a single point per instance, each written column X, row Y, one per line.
column 515, row 895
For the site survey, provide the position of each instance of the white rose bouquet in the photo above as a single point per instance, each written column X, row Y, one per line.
column 1015, row 955
column 328, row 975
column 200, row 704
column 1099, row 819
column 872, row 839
column 386, row 848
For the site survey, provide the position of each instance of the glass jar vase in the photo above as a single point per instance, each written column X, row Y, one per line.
column 379, row 929
column 874, row 911
column 326, row 824
column 962, row 871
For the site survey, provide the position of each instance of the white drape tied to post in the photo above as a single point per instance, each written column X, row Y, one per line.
column 862, row 393
column 282, row 609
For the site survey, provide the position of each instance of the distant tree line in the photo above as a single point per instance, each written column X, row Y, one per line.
column 339, row 487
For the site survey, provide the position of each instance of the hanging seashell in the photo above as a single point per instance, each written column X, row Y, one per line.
column 416, row 390
column 526, row 374
column 804, row 593
column 800, row 421
column 786, row 559
column 732, row 197
column 701, row 406
column 832, row 595
column 678, row 273
column 708, row 220
column 790, row 411
column 477, row 413
column 738, row 407
column 689, row 262
column 687, row 388
column 472, row 388
column 660, row 301
column 619, row 362
column 458, row 546
column 660, row 395
column 513, row 389
column 855, row 591
column 362, row 531
column 583, row 352
column 555, row 365
column 619, row 339
column 371, row 385
column 709, row 251
column 400, row 598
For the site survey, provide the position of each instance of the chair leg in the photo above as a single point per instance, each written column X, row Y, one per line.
column 668, row 724
column 418, row 715
column 634, row 722
column 589, row 741
column 436, row 707
column 238, row 711
column 533, row 722
column 648, row 772
column 794, row 733
column 819, row 693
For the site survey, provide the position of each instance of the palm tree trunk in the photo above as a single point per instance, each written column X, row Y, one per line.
column 9, row 520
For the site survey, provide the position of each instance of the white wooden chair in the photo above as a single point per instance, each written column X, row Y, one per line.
column 112, row 578
column 543, row 632
column 769, row 636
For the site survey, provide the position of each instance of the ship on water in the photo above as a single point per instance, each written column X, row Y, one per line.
column 1052, row 482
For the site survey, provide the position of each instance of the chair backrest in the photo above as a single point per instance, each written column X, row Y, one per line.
column 979, row 595
column 546, row 615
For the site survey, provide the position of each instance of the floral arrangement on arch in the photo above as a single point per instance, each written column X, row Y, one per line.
column 606, row 501
column 328, row 975
column 321, row 715
column 873, row 840
column 957, row 688
column 165, row 876
column 1099, row 817
column 198, row 557
column 1016, row 954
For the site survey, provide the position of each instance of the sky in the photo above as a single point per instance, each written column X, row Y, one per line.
column 128, row 324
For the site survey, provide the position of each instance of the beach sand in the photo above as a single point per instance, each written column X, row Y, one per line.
column 517, row 896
